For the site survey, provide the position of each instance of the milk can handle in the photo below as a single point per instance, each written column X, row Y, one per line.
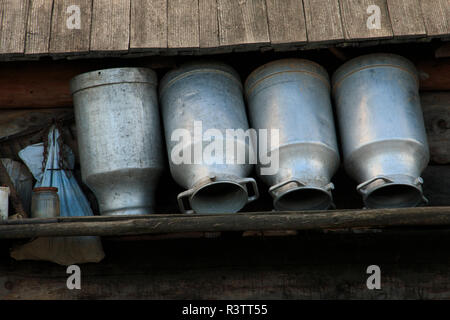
column 419, row 181
column 360, row 187
column 282, row 184
column 247, row 182
column 181, row 196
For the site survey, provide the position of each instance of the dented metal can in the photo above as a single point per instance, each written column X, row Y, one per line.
column 382, row 130
column 120, row 137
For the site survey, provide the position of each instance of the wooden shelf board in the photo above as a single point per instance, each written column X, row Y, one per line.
column 259, row 221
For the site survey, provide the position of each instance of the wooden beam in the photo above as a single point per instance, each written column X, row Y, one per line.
column 434, row 74
column 153, row 224
column 36, row 85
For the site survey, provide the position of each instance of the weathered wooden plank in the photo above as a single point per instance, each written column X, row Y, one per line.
column 365, row 19
column 208, row 23
column 446, row 5
column 243, row 23
column 183, row 24
column 434, row 74
column 110, row 25
column 436, row 15
column 148, row 29
column 31, row 85
column 323, row 20
column 286, row 22
column 71, row 26
column 39, row 27
column 436, row 112
column 13, row 26
column 406, row 18
column 443, row 51
column 152, row 224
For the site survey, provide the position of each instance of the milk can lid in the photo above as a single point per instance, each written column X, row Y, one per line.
column 112, row 76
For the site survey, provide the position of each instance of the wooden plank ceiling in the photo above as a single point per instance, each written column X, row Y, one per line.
column 34, row 28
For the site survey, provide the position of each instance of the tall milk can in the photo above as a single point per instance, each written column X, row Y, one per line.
column 382, row 130
column 119, row 134
column 206, row 131
column 293, row 97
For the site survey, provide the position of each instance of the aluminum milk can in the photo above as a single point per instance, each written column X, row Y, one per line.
column 200, row 103
column 293, row 96
column 119, row 133
column 382, row 130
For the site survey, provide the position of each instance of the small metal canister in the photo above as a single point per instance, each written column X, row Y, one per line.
column 45, row 203
column 119, row 134
column 4, row 199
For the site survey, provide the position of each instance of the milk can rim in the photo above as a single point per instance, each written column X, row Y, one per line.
column 255, row 76
column 193, row 67
column 307, row 187
column 110, row 76
column 384, row 60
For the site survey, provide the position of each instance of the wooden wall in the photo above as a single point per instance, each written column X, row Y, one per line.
column 414, row 265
